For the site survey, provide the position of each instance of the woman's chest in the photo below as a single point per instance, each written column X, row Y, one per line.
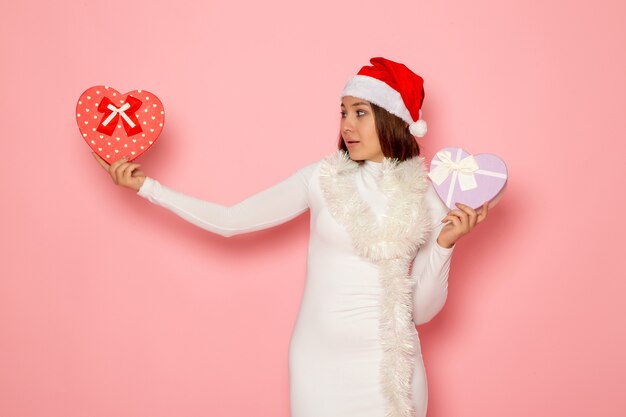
column 326, row 223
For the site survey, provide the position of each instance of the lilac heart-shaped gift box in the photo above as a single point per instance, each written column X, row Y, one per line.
column 458, row 176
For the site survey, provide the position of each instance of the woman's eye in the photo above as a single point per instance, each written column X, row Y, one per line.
column 359, row 113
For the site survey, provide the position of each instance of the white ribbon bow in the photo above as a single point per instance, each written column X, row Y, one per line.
column 120, row 111
column 465, row 169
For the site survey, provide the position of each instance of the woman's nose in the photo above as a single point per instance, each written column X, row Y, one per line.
column 346, row 125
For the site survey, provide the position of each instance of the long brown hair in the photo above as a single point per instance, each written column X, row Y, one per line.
column 395, row 139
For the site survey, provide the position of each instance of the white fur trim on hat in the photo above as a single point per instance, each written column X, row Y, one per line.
column 379, row 93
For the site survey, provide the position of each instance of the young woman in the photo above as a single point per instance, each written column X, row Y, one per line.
column 379, row 250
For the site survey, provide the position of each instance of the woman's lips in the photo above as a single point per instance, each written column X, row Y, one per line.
column 351, row 143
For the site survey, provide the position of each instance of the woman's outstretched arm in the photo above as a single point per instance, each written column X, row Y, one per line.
column 270, row 207
column 431, row 267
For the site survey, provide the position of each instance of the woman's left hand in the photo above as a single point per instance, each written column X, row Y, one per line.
column 462, row 221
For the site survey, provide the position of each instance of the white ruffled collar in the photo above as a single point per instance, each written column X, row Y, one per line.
column 405, row 222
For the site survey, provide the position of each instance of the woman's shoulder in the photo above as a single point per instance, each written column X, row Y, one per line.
column 310, row 169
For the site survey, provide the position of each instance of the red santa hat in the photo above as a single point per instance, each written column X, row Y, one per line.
column 394, row 87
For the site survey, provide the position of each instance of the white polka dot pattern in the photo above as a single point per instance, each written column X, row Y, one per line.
column 150, row 115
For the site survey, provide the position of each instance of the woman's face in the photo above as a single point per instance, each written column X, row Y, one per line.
column 358, row 130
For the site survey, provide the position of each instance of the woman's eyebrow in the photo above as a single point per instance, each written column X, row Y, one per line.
column 357, row 104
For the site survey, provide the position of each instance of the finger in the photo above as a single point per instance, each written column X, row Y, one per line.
column 470, row 212
column 117, row 169
column 456, row 212
column 467, row 209
column 128, row 170
column 101, row 161
column 121, row 164
column 483, row 212
column 114, row 166
column 455, row 220
column 462, row 216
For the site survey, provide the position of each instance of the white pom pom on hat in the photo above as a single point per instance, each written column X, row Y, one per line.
column 418, row 128
column 394, row 87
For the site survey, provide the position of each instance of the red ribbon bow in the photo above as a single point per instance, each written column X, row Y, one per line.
column 113, row 113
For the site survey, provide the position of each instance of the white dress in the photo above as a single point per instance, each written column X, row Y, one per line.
column 334, row 352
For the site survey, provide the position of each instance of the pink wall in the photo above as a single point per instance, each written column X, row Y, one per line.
column 110, row 306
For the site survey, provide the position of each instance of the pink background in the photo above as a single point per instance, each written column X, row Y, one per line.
column 111, row 306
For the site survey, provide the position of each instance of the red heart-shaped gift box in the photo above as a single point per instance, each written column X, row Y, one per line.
column 115, row 125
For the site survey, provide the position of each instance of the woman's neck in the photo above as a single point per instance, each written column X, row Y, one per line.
column 372, row 163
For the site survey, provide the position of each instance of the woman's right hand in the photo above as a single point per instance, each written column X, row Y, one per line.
column 123, row 173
